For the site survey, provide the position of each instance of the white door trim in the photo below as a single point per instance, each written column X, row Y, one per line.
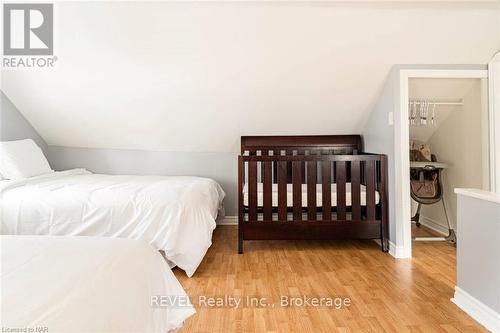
column 494, row 119
column 401, row 152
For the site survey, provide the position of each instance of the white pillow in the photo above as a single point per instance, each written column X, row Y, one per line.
column 22, row 159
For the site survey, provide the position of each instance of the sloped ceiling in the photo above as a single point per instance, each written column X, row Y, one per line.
column 194, row 76
column 439, row 90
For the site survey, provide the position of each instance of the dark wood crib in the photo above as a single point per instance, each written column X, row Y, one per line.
column 311, row 188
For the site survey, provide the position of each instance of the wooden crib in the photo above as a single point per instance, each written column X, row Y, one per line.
column 311, row 187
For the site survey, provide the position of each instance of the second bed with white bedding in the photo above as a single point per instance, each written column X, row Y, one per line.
column 175, row 214
column 87, row 284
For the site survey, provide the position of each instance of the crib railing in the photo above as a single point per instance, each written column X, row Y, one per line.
column 359, row 217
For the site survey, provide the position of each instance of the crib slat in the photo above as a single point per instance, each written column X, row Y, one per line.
column 263, row 152
column 341, row 180
column 326, row 189
column 311, row 190
column 302, row 166
column 275, row 166
column 370, row 190
column 297, row 190
column 267, row 188
column 282, row 195
column 289, row 167
column 356, row 190
column 252, row 191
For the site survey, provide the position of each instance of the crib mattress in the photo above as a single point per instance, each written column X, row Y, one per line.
column 319, row 195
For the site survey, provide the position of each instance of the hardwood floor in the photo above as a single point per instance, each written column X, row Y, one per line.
column 387, row 295
column 423, row 231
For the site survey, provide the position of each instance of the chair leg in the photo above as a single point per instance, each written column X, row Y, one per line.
column 452, row 237
column 416, row 218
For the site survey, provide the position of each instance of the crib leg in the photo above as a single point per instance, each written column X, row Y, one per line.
column 240, row 242
column 385, row 245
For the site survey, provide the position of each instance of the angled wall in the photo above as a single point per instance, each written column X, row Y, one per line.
column 13, row 125
column 378, row 136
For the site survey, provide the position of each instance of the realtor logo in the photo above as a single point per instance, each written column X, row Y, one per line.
column 28, row 29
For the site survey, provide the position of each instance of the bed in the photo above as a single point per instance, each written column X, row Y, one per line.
column 88, row 284
column 311, row 187
column 174, row 214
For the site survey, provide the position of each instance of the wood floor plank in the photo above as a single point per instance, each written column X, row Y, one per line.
column 387, row 295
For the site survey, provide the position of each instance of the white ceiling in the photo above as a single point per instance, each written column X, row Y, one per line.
column 194, row 76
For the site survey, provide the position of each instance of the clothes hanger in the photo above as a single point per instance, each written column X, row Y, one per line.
column 433, row 116
column 413, row 112
column 422, row 113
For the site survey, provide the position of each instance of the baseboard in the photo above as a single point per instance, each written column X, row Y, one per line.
column 398, row 252
column 227, row 220
column 434, row 225
column 482, row 313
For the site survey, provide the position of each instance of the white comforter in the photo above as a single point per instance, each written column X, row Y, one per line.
column 87, row 284
column 175, row 214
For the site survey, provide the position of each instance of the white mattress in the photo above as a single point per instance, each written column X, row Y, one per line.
column 87, row 284
column 175, row 214
column 319, row 195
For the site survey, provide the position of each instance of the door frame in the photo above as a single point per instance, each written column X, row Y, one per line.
column 402, row 143
column 494, row 119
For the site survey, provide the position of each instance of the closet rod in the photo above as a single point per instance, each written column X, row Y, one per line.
column 438, row 103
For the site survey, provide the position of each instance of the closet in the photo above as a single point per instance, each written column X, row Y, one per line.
column 448, row 149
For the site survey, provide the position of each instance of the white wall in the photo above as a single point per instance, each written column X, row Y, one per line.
column 478, row 248
column 13, row 126
column 378, row 137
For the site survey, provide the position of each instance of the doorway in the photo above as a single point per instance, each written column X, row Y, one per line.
column 402, row 145
column 449, row 148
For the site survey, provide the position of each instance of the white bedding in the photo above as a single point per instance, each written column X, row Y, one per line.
column 87, row 284
column 319, row 196
column 175, row 214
